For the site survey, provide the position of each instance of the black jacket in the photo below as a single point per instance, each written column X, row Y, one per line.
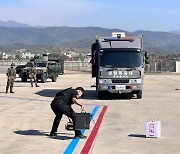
column 67, row 95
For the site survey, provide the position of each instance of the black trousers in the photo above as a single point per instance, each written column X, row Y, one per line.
column 59, row 108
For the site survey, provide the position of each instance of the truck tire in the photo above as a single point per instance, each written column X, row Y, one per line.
column 100, row 95
column 19, row 74
column 54, row 78
column 139, row 94
column 43, row 78
column 24, row 78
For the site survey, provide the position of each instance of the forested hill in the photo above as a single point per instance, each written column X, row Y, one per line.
column 82, row 37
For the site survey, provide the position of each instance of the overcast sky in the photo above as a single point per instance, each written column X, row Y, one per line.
column 130, row 15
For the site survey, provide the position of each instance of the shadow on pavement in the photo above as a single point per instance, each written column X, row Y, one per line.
column 137, row 135
column 48, row 92
column 60, row 136
column 89, row 94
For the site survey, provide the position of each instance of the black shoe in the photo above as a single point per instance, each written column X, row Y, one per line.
column 53, row 134
column 11, row 91
column 37, row 86
column 80, row 136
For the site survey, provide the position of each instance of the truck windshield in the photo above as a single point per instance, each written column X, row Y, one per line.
column 120, row 59
column 41, row 64
column 29, row 64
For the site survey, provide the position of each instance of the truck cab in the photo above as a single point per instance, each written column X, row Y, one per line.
column 118, row 64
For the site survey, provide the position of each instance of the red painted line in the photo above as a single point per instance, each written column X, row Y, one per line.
column 93, row 134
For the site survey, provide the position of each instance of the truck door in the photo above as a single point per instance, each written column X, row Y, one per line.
column 51, row 69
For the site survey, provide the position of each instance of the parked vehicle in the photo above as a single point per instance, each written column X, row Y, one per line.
column 19, row 69
column 118, row 64
column 45, row 68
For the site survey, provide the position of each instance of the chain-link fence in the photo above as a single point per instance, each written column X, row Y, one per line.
column 77, row 66
column 158, row 66
column 161, row 66
column 8, row 63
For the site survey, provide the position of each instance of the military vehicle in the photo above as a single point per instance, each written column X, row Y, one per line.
column 19, row 69
column 45, row 68
column 118, row 64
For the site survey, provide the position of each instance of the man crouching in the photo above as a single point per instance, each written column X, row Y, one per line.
column 61, row 104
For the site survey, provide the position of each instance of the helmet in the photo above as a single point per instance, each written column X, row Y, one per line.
column 12, row 64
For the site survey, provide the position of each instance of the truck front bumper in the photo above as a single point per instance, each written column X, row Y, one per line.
column 120, row 88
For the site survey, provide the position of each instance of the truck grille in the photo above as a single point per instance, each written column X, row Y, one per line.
column 120, row 81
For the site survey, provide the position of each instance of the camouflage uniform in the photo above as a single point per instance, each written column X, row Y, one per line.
column 32, row 75
column 11, row 74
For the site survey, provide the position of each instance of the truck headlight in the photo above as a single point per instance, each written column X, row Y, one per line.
column 104, row 81
column 135, row 81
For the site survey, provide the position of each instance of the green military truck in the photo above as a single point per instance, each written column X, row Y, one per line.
column 45, row 68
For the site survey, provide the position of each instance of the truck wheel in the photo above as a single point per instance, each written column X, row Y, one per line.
column 20, row 75
column 43, row 78
column 139, row 95
column 100, row 95
column 23, row 78
column 54, row 78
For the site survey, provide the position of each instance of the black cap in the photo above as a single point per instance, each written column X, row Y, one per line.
column 81, row 89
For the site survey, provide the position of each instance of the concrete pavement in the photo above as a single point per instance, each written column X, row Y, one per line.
column 26, row 117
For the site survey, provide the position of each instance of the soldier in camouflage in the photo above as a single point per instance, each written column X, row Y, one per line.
column 32, row 75
column 11, row 76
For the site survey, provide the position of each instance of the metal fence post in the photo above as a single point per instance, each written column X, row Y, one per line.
column 160, row 65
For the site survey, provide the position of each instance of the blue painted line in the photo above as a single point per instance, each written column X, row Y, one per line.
column 20, row 98
column 74, row 142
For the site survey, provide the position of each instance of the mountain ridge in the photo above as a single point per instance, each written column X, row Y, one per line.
column 11, row 23
column 82, row 37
